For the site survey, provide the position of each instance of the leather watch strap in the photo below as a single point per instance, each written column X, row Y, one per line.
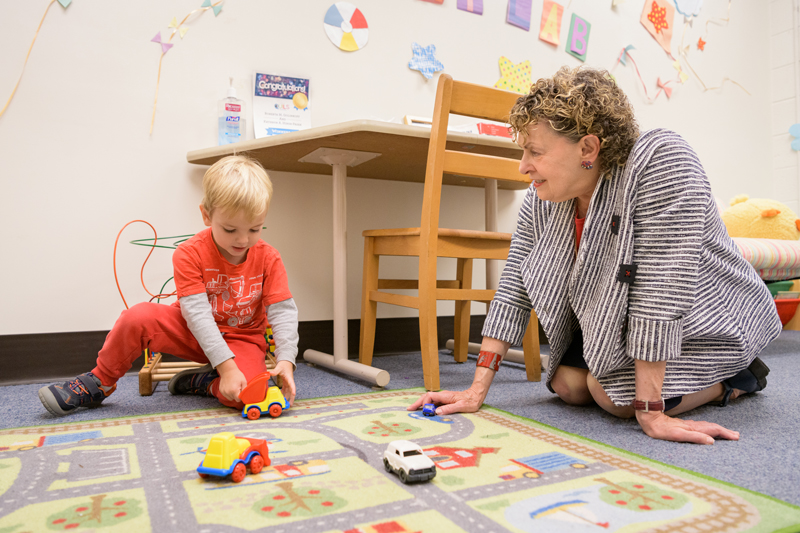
column 640, row 405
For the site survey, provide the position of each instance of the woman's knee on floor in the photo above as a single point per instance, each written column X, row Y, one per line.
column 570, row 385
column 602, row 399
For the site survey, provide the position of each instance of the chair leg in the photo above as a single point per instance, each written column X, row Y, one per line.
column 530, row 349
column 461, row 327
column 428, row 335
column 429, row 343
column 369, row 308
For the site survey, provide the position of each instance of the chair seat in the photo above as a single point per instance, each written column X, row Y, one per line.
column 443, row 232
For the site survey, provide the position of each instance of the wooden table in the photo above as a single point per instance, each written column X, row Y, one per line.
column 364, row 149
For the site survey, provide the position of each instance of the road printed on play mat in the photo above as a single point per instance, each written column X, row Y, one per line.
column 495, row 472
column 730, row 513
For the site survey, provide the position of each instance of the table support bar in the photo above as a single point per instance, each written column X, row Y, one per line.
column 351, row 368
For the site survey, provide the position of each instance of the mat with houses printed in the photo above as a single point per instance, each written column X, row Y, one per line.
column 495, row 472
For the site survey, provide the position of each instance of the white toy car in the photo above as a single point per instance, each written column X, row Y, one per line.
column 406, row 459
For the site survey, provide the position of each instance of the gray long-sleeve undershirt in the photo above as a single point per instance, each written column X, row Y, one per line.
column 282, row 318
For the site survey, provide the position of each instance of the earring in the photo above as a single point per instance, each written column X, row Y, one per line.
column 587, row 165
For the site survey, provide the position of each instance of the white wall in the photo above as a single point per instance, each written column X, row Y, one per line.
column 76, row 161
column 783, row 95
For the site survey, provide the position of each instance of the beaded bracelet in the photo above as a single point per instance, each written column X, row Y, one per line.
column 489, row 360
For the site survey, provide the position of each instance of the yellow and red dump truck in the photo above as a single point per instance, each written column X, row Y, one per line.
column 229, row 454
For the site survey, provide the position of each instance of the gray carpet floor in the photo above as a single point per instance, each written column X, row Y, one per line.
column 766, row 459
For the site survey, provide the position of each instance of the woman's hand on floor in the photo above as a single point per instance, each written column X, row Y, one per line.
column 660, row 426
column 467, row 401
column 448, row 402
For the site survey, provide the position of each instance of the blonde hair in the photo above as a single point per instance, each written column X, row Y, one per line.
column 579, row 102
column 237, row 184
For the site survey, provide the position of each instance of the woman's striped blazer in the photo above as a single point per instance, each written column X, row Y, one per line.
column 656, row 277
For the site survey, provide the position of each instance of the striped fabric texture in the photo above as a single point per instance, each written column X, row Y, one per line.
column 694, row 302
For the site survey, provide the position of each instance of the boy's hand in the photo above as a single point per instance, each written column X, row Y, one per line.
column 285, row 370
column 232, row 381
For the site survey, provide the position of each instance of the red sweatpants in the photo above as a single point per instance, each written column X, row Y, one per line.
column 162, row 328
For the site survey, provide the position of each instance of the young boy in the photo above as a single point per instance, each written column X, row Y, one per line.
column 230, row 283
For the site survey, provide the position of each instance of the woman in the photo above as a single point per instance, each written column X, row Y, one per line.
column 649, row 307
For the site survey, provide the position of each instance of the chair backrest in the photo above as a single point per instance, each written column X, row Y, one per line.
column 467, row 99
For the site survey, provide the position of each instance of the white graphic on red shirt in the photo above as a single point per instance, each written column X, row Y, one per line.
column 255, row 294
column 229, row 302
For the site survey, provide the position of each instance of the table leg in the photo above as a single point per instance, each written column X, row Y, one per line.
column 339, row 361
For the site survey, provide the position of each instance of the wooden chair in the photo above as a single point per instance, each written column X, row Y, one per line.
column 429, row 242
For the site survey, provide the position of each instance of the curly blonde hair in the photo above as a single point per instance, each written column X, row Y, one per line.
column 578, row 102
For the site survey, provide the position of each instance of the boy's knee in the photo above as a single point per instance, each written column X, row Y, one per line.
column 137, row 315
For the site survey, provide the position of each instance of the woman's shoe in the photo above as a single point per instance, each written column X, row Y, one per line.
column 751, row 379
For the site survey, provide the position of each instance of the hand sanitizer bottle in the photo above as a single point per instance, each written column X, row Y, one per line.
column 231, row 118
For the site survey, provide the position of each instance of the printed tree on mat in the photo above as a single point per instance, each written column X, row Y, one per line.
column 395, row 429
column 289, row 501
column 640, row 497
column 95, row 513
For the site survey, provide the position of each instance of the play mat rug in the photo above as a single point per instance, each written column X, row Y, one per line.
column 495, row 472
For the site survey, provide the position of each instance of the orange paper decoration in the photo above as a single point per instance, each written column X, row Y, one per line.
column 657, row 17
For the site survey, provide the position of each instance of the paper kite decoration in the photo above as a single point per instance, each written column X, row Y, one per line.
column 794, row 131
column 551, row 22
column 164, row 46
column 663, row 86
column 515, row 78
column 424, row 60
column 688, row 8
column 217, row 8
column 578, row 40
column 473, row 6
column 519, row 13
column 176, row 27
column 65, row 4
column 701, row 44
column 346, row 26
column 677, row 66
column 623, row 56
column 657, row 17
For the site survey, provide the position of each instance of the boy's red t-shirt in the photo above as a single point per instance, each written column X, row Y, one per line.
column 237, row 293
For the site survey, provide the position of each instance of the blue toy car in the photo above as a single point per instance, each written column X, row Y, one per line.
column 429, row 409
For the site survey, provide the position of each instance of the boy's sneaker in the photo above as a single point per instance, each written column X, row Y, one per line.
column 85, row 390
column 193, row 381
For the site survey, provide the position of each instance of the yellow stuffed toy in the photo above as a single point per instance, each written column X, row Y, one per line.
column 761, row 219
